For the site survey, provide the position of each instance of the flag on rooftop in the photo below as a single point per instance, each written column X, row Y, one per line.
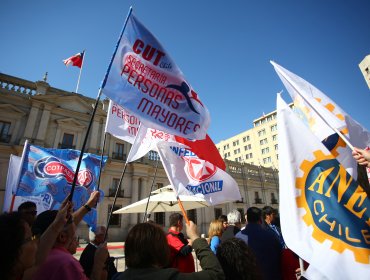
column 145, row 80
column 75, row 60
column 324, row 212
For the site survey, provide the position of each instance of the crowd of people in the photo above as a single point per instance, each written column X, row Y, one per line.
column 42, row 246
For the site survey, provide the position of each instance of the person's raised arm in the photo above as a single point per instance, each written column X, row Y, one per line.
column 83, row 210
column 211, row 268
column 47, row 239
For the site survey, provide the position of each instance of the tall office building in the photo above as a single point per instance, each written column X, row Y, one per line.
column 256, row 146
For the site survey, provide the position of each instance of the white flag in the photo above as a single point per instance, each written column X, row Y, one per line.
column 145, row 141
column 322, row 114
column 121, row 123
column 191, row 175
column 145, row 80
column 324, row 213
column 11, row 181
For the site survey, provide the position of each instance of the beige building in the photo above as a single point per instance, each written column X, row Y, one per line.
column 256, row 146
column 365, row 69
column 53, row 118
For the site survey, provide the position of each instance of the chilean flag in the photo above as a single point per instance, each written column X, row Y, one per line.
column 75, row 60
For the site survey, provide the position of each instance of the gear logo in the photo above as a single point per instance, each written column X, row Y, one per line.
column 336, row 206
column 198, row 169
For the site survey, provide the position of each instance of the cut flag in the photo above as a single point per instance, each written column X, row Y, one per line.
column 192, row 175
column 321, row 115
column 144, row 79
column 75, row 60
column 324, row 213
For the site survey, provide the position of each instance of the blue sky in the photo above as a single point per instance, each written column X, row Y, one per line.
column 222, row 47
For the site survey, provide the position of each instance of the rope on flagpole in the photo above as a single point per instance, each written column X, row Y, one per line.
column 79, row 76
column 150, row 193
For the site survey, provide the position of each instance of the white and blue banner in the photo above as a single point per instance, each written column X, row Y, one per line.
column 49, row 174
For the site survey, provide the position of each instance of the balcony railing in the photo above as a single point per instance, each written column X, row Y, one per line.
column 5, row 138
column 119, row 156
column 274, row 201
column 112, row 193
column 239, row 201
column 258, row 200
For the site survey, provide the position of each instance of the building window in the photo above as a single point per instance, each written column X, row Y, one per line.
column 276, row 147
column 226, row 146
column 235, row 143
column 261, row 132
column 159, row 218
column 265, row 150
column 218, row 212
column 115, row 220
column 273, row 199
column 4, row 132
column 250, row 155
column 67, row 142
column 192, row 215
column 263, row 141
column 257, row 199
column 274, row 127
column 113, row 188
column 118, row 152
column 159, row 185
column 267, row 160
column 274, row 137
column 153, row 155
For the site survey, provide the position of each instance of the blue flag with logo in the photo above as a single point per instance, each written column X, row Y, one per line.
column 50, row 173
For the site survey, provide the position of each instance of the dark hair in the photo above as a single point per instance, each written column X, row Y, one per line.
column 253, row 215
column 146, row 246
column 267, row 210
column 222, row 218
column 43, row 221
column 12, row 234
column 237, row 260
column 26, row 205
column 174, row 218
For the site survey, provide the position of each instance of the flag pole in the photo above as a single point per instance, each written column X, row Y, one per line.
column 117, row 189
column 344, row 138
column 151, row 189
column 79, row 76
column 115, row 199
column 101, row 159
column 95, row 107
column 183, row 211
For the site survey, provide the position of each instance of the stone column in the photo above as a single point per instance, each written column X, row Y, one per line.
column 43, row 124
column 134, row 198
column 94, row 135
column 28, row 133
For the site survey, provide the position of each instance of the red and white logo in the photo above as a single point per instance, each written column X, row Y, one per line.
column 198, row 169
